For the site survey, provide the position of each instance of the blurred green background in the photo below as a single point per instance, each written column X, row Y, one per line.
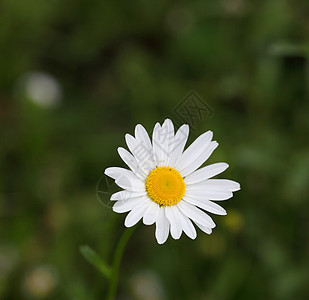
column 75, row 76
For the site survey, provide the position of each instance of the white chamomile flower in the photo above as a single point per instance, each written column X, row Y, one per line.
column 165, row 186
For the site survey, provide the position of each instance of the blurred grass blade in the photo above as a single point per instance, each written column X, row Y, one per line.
column 289, row 49
column 93, row 258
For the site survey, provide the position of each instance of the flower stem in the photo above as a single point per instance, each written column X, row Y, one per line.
column 117, row 260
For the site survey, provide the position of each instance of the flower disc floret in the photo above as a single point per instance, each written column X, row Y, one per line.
column 165, row 186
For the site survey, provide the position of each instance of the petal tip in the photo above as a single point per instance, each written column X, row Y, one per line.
column 115, row 210
column 108, row 171
column 160, row 242
column 193, row 237
column 120, row 149
column 126, row 224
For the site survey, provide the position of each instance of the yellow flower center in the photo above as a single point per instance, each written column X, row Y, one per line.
column 165, row 186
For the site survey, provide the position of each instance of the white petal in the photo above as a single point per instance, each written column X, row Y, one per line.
column 156, row 144
column 131, row 182
column 135, row 215
column 142, row 136
column 195, row 150
column 224, row 184
column 162, row 226
column 122, row 206
column 126, row 194
column 133, row 146
column 151, row 214
column 172, row 214
column 143, row 156
column 195, row 214
column 143, row 139
column 186, row 225
column 205, row 204
column 214, row 185
column 204, row 228
column 199, row 160
column 126, row 179
column 167, row 138
column 206, row 172
column 116, row 172
column 178, row 145
column 206, row 193
column 132, row 163
column 161, row 140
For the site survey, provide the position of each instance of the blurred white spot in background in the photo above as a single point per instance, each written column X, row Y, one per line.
column 40, row 281
column 146, row 285
column 41, row 88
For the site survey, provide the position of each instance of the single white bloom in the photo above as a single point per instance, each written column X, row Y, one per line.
column 165, row 186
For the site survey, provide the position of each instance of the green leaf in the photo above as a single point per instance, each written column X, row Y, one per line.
column 93, row 258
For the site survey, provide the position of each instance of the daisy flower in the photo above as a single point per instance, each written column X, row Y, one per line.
column 164, row 185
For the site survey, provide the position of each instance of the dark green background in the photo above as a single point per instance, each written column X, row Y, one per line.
column 120, row 63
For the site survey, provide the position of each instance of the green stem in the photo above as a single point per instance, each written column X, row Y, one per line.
column 116, row 262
